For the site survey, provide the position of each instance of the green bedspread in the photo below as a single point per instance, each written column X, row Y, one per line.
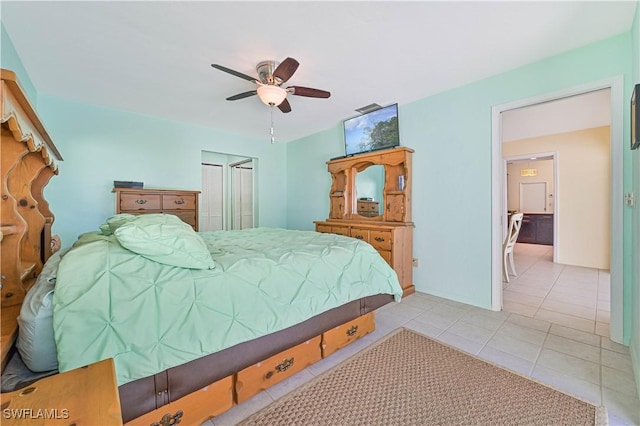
column 148, row 316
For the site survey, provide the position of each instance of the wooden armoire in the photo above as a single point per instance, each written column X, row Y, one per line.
column 381, row 179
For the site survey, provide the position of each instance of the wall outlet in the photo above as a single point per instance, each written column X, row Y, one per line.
column 415, row 262
column 629, row 199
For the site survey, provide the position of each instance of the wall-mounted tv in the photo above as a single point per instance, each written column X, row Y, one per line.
column 372, row 131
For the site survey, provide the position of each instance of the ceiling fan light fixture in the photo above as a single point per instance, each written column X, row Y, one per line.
column 271, row 95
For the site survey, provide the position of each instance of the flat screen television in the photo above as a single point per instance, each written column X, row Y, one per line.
column 372, row 131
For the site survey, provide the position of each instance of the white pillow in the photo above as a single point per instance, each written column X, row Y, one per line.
column 36, row 343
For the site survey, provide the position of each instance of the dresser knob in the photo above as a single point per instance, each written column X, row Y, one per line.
column 141, row 201
column 180, row 201
column 379, row 239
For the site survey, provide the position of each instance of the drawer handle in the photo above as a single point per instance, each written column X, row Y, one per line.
column 360, row 237
column 180, row 201
column 141, row 201
column 379, row 239
column 169, row 420
column 285, row 364
column 353, row 330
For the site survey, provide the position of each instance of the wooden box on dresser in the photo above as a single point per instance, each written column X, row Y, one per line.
column 391, row 232
column 183, row 204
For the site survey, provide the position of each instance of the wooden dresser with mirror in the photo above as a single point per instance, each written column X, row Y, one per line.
column 370, row 199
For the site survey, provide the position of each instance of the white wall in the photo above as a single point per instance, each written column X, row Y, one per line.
column 583, row 192
column 514, row 179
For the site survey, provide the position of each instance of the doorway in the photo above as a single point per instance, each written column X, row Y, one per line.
column 498, row 210
column 531, row 187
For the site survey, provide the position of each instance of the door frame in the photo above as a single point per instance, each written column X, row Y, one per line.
column 556, row 196
column 616, row 86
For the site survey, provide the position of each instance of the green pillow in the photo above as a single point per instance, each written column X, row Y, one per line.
column 165, row 239
column 116, row 221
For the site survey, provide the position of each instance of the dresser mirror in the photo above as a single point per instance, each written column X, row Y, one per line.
column 369, row 189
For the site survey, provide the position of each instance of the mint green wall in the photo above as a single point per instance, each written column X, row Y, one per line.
column 451, row 135
column 635, row 333
column 101, row 145
column 10, row 60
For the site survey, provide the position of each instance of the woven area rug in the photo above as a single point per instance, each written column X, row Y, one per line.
column 410, row 379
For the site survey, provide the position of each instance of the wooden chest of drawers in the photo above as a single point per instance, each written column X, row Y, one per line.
column 183, row 204
column 368, row 208
column 393, row 242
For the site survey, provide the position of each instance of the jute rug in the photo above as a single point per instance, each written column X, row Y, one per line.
column 409, row 379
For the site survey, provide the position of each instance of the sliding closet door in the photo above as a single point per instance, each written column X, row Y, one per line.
column 242, row 196
column 212, row 206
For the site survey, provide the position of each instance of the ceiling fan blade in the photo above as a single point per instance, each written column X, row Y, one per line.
column 242, row 95
column 232, row 72
column 309, row 92
column 285, row 106
column 286, row 69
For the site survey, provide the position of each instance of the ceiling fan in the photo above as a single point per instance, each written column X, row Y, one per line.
column 270, row 80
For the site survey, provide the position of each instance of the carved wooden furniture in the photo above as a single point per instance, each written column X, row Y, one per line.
column 183, row 204
column 391, row 233
column 368, row 208
column 84, row 396
column 28, row 162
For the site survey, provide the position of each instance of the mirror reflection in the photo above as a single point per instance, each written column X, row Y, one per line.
column 369, row 187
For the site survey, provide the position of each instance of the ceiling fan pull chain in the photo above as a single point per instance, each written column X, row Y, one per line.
column 273, row 139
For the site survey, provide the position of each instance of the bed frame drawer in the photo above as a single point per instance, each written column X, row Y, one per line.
column 194, row 408
column 273, row 370
column 344, row 334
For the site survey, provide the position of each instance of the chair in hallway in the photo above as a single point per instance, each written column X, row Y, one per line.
column 515, row 223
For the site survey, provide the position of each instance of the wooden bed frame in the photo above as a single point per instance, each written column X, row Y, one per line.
column 191, row 393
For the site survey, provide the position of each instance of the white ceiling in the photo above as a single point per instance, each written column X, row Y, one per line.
column 154, row 57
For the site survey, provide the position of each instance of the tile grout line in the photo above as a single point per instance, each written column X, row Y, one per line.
column 535, row 362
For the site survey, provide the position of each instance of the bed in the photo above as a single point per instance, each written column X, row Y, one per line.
column 189, row 358
column 178, row 311
column 265, row 291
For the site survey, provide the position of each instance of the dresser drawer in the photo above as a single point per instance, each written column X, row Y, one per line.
column 340, row 230
column 179, row 202
column 323, row 228
column 368, row 206
column 381, row 239
column 186, row 216
column 273, row 370
column 342, row 335
column 133, row 201
column 386, row 255
column 196, row 407
column 361, row 234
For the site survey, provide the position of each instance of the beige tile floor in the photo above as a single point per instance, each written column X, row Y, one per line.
column 535, row 335
column 572, row 296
